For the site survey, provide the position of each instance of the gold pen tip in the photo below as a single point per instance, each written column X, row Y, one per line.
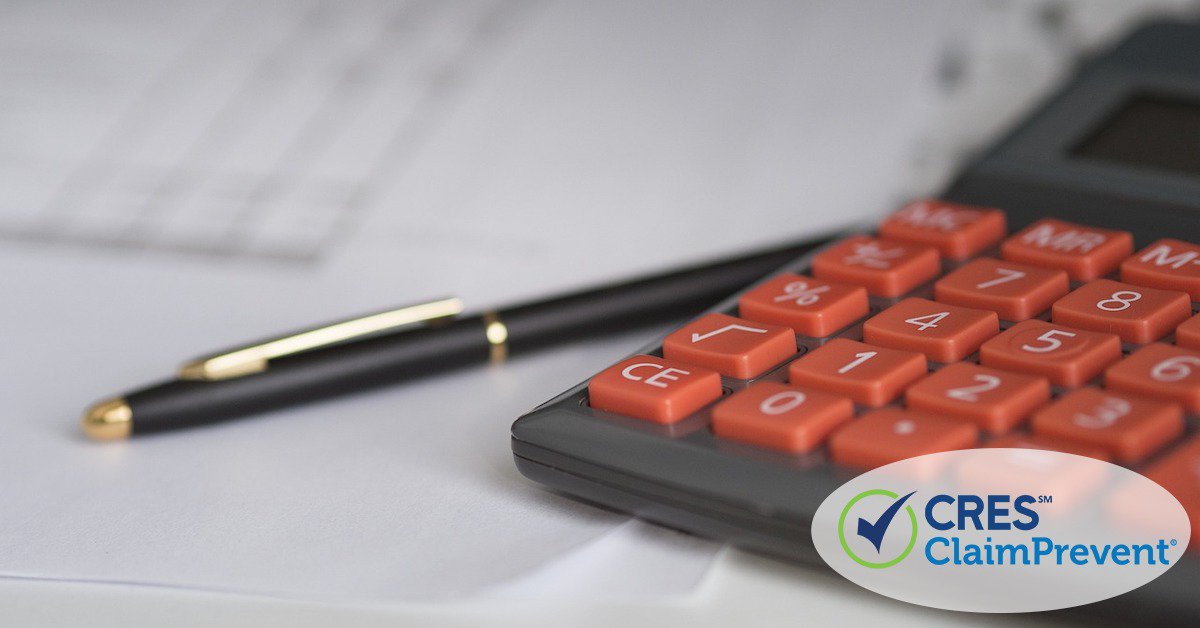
column 110, row 419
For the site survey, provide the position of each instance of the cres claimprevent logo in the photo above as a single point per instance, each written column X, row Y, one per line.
column 869, row 528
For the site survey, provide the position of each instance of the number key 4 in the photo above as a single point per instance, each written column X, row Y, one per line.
column 944, row 333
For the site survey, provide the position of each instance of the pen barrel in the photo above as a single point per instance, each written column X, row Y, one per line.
column 639, row 304
column 309, row 377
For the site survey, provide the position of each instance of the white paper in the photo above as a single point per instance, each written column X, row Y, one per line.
column 179, row 177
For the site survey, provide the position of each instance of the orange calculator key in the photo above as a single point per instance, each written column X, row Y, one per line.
column 809, row 306
column 654, row 389
column 1034, row 441
column 1064, row 355
column 995, row 401
column 944, row 333
column 1136, row 314
column 1179, row 473
column 1188, row 333
column 1162, row 371
column 888, row 435
column 778, row 416
column 870, row 375
column 1014, row 291
column 886, row 268
column 1171, row 264
column 1086, row 253
column 731, row 346
column 956, row 231
column 1128, row 427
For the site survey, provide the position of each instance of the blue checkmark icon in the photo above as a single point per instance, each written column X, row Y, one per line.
column 874, row 532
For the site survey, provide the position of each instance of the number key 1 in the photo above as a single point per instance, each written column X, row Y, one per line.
column 870, row 375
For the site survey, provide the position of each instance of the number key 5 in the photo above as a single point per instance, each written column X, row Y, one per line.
column 1064, row 355
column 1162, row 371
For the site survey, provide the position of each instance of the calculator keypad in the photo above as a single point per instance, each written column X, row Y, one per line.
column 942, row 334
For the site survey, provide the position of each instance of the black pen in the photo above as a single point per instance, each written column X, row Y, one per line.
column 410, row 342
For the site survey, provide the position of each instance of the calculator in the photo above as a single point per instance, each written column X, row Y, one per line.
column 1058, row 273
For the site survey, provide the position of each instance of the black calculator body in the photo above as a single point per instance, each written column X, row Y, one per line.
column 1117, row 149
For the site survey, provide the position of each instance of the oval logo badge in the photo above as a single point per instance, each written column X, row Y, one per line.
column 1001, row 530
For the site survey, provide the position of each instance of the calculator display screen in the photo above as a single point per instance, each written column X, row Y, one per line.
column 1151, row 132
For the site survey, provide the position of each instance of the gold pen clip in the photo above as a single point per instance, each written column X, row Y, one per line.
column 254, row 358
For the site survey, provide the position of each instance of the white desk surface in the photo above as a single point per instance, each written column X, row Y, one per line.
column 740, row 589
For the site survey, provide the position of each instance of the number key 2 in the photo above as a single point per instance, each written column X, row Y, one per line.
column 994, row 400
column 1064, row 355
column 944, row 333
column 1136, row 314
